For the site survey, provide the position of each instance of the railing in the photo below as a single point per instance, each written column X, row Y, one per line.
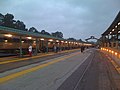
column 115, row 53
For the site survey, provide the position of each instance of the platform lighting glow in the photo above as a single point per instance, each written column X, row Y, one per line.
column 29, row 37
column 34, row 41
column 101, row 48
column 118, row 31
column 110, row 32
column 66, row 42
column 49, row 43
column 112, row 51
column 113, row 29
column 116, row 26
column 8, row 35
column 116, row 53
column 50, row 40
column 119, row 23
column 107, row 49
column 42, row 39
column 6, row 41
column 62, row 41
column 22, row 41
column 69, row 42
column 57, row 40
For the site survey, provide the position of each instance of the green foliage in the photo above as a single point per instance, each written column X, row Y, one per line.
column 58, row 34
column 73, row 39
column 8, row 20
column 44, row 32
column 19, row 25
column 33, row 29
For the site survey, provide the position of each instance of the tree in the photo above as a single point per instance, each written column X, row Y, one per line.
column 58, row 34
column 19, row 25
column 80, row 40
column 44, row 32
column 8, row 20
column 73, row 39
column 33, row 29
column 1, row 19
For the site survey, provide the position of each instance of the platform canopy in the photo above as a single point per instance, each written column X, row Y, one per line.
column 17, row 32
column 113, row 28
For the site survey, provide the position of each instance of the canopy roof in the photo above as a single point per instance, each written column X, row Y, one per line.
column 112, row 26
column 6, row 30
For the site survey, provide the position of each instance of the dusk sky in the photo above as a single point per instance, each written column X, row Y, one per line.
column 75, row 18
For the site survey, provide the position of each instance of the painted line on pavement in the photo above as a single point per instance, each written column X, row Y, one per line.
column 15, row 75
column 17, row 60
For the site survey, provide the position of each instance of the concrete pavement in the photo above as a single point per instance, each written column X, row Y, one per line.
column 64, row 73
column 47, row 78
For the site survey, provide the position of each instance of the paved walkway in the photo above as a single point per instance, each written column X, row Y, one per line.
column 26, row 57
column 115, row 59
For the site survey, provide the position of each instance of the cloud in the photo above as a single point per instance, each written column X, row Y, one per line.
column 75, row 18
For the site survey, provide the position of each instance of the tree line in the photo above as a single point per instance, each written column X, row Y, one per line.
column 7, row 20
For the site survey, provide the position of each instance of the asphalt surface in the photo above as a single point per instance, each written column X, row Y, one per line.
column 93, row 74
column 14, row 65
column 90, row 70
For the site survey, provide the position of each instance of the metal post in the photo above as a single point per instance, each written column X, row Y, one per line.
column 36, row 51
column 117, row 41
column 47, row 46
column 20, row 46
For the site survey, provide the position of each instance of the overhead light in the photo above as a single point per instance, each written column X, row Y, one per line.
column 116, row 26
column 57, row 40
column 110, row 32
column 66, row 42
column 116, row 53
column 118, row 31
column 113, row 29
column 42, row 39
column 23, row 41
column 69, row 42
column 29, row 37
column 112, row 51
column 6, row 41
column 62, row 41
column 50, row 40
column 8, row 35
column 119, row 23
column 34, row 41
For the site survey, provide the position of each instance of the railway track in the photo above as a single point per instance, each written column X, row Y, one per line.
column 84, row 72
column 87, row 76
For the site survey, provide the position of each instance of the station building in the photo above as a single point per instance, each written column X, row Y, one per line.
column 17, row 41
column 111, row 37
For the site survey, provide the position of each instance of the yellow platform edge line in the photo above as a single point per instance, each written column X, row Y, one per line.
column 18, row 74
column 17, row 60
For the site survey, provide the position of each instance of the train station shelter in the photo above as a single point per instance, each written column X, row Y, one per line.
column 111, row 37
column 12, row 40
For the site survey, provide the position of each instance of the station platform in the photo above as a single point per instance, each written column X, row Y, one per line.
column 6, row 60
column 114, row 56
